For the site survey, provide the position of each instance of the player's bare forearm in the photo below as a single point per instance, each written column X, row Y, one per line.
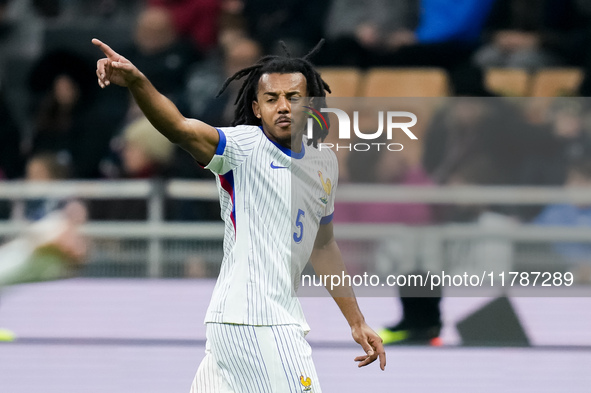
column 193, row 135
column 196, row 137
column 327, row 260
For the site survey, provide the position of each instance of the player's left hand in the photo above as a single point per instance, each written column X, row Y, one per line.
column 371, row 344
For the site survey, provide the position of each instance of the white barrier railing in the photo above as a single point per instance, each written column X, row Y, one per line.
column 155, row 228
column 206, row 190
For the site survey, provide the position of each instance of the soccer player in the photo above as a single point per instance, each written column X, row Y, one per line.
column 255, row 324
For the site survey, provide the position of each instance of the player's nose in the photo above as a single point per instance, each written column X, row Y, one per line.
column 284, row 105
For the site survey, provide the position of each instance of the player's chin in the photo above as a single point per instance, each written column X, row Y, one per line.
column 283, row 130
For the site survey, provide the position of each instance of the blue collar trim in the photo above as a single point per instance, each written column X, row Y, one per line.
column 285, row 150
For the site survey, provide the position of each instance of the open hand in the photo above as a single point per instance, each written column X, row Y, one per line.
column 114, row 68
column 371, row 343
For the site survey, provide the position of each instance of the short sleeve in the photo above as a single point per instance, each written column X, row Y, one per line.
column 235, row 145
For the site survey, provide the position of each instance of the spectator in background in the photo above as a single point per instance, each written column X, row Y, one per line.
column 470, row 128
column 299, row 24
column 576, row 256
column 481, row 141
column 20, row 31
column 163, row 55
column 206, row 79
column 138, row 153
column 406, row 33
column 68, row 118
column 563, row 138
column 231, row 19
column 196, row 20
column 44, row 167
column 356, row 31
column 553, row 146
column 144, row 154
column 533, row 33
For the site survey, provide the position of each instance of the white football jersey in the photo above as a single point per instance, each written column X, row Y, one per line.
column 273, row 201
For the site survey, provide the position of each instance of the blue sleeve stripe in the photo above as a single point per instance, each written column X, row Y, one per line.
column 221, row 144
column 327, row 219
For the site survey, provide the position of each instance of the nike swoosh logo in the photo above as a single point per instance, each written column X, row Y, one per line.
column 276, row 166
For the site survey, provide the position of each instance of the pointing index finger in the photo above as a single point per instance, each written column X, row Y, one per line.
column 382, row 356
column 104, row 47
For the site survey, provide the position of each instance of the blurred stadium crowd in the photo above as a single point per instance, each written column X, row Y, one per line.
column 57, row 124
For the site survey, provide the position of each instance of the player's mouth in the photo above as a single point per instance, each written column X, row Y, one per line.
column 283, row 122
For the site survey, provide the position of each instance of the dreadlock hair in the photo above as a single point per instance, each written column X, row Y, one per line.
column 316, row 87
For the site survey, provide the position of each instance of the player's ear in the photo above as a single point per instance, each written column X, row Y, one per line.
column 256, row 109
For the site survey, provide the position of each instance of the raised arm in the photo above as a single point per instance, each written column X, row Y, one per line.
column 196, row 137
column 326, row 259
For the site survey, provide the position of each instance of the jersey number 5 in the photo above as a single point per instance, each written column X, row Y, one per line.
column 297, row 237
